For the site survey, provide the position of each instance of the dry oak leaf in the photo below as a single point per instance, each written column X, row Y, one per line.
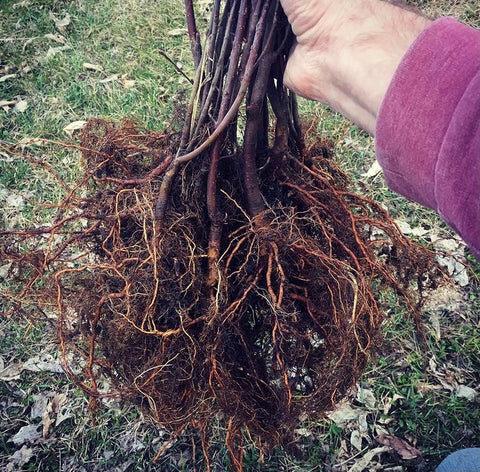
column 400, row 446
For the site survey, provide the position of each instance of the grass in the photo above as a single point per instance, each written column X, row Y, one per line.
column 414, row 386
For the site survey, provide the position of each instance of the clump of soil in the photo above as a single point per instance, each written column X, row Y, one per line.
column 209, row 274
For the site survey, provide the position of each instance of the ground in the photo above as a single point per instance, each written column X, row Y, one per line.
column 62, row 63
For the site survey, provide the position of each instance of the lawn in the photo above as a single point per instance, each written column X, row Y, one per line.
column 63, row 62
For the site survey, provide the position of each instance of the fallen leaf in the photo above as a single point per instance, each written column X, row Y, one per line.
column 23, row 3
column 362, row 421
column 40, row 402
column 126, row 83
column 54, row 51
column 11, row 372
column 123, row 467
column 374, row 170
column 405, row 228
column 356, row 439
column 26, row 434
column 4, row 78
column 366, row 397
column 303, row 432
column 111, row 78
column 177, row 32
column 60, row 23
column 446, row 297
column 95, row 67
column 58, row 38
column 51, row 411
column 405, row 450
column 380, row 430
column 20, row 458
column 426, row 387
column 466, row 392
column 15, row 201
column 74, row 126
column 344, row 414
column 21, row 106
column 63, row 415
column 455, row 269
column 364, row 462
column 25, row 142
column 390, row 401
column 46, row 363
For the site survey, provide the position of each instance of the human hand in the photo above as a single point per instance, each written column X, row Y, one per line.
column 346, row 52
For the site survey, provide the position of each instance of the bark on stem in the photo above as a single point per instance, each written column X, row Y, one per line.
column 195, row 45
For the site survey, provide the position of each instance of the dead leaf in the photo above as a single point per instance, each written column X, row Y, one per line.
column 356, row 439
column 20, row 106
column 426, row 387
column 25, row 142
column 366, row 397
column 54, row 51
column 74, row 126
column 58, row 38
column 405, row 450
column 345, row 414
column 15, row 201
column 364, row 462
column 23, row 3
column 374, row 170
column 466, row 392
column 51, row 411
column 123, row 467
column 405, row 228
column 455, row 269
column 446, row 298
column 4, row 78
column 11, row 372
column 111, row 78
column 303, row 432
column 362, row 421
column 20, row 458
column 178, row 32
column 94, row 67
column 126, row 83
column 380, row 430
column 2, row 362
column 40, row 402
column 46, row 363
column 26, row 434
column 390, row 401
column 60, row 23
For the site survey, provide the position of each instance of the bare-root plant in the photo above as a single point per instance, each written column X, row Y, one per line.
column 226, row 268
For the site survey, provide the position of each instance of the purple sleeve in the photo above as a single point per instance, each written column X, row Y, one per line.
column 428, row 128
